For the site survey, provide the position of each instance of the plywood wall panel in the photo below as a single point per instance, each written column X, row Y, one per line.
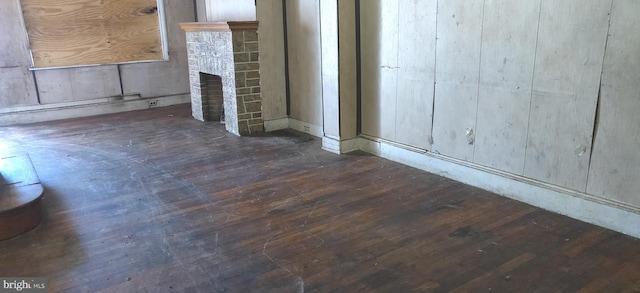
column 379, row 25
column 16, row 82
column 163, row 78
column 68, row 33
column 567, row 72
column 133, row 30
column 271, row 46
column 78, row 84
column 303, row 31
column 457, row 76
column 416, row 72
column 615, row 164
column 506, row 71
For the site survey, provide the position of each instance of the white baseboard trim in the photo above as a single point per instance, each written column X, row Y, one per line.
column 305, row 127
column 337, row 146
column 276, row 124
column 50, row 112
column 580, row 206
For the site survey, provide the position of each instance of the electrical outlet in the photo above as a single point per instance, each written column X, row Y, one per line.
column 153, row 103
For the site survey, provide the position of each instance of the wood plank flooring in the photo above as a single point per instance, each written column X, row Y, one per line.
column 154, row 201
column 20, row 195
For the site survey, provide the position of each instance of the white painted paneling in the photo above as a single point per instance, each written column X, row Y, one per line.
column 16, row 87
column 89, row 83
column 163, row 78
column 16, row 82
column 506, row 72
column 330, row 68
column 157, row 78
column 77, row 84
column 379, row 45
column 13, row 40
column 303, row 32
column 236, row 10
column 457, row 76
column 416, row 70
column 348, row 68
column 569, row 58
column 271, row 46
column 54, row 86
column 337, row 21
column 615, row 164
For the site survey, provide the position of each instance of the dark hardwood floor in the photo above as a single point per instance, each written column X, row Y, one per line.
column 154, row 201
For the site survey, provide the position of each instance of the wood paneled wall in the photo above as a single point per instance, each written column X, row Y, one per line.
column 303, row 32
column 615, row 163
column 271, row 39
column 398, row 70
column 70, row 33
column 16, row 82
column 516, row 88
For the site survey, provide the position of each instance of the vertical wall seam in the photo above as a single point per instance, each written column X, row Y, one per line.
column 533, row 75
column 287, row 84
column 322, row 51
column 475, row 124
column 435, row 72
column 596, row 118
column 397, row 68
column 120, row 79
column 338, row 52
column 358, row 72
column 35, row 83
column 195, row 10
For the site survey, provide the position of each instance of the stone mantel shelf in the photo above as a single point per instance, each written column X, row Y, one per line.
column 219, row 26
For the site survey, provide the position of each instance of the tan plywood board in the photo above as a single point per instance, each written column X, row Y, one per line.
column 69, row 33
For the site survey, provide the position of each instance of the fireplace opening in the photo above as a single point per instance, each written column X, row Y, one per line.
column 212, row 101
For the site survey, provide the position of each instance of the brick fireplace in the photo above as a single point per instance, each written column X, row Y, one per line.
column 225, row 74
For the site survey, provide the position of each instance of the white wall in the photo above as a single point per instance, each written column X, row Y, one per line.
column 398, row 67
column 236, row 10
column 16, row 82
column 615, row 164
column 303, row 31
column 271, row 46
column 524, row 81
column 339, row 68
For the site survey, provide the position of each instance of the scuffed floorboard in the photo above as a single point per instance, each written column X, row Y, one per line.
column 155, row 201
